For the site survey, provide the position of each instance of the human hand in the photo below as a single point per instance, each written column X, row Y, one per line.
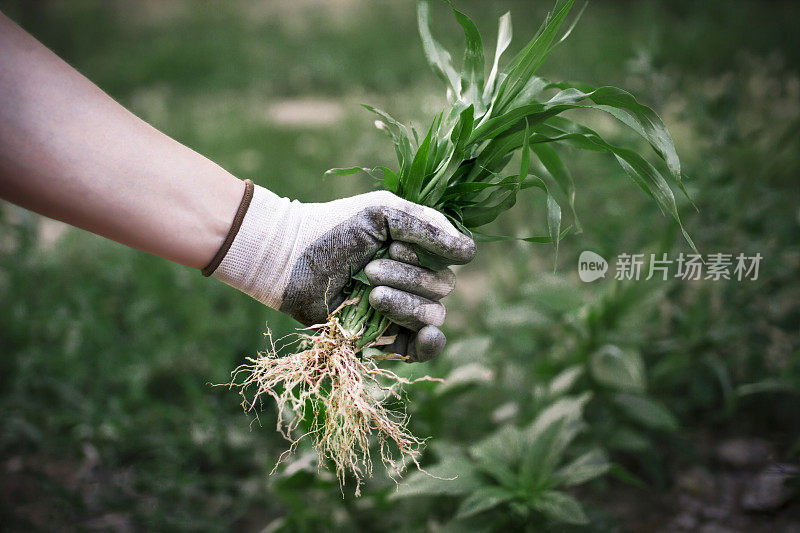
column 298, row 257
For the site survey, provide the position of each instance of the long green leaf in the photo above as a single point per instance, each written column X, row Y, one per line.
column 626, row 108
column 554, row 225
column 503, row 40
column 489, row 209
column 549, row 158
column 472, row 74
column 525, row 64
column 637, row 168
column 540, row 239
column 438, row 58
column 413, row 184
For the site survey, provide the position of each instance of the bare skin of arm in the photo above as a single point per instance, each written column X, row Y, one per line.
column 72, row 153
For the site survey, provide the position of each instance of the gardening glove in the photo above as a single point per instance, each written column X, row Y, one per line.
column 298, row 257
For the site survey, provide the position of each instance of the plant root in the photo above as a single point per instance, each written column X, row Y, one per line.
column 338, row 396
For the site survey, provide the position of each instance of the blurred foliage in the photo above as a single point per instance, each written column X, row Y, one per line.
column 109, row 419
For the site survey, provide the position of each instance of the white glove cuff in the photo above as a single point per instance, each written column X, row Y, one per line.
column 257, row 262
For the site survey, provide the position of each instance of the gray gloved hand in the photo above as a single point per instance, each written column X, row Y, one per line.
column 298, row 257
column 409, row 294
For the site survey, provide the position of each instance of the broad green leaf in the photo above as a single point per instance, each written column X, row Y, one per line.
column 429, row 259
column 457, row 473
column 570, row 408
column 513, row 120
column 463, row 128
column 559, row 506
column 482, row 500
column 548, row 436
column 469, row 374
column 647, row 411
column 619, row 369
column 438, row 58
column 362, row 277
column 590, row 465
column 543, row 454
column 564, row 381
column 390, row 180
column 530, row 94
column 499, row 453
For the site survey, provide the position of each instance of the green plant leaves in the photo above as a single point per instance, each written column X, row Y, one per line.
column 503, row 40
column 564, row 193
column 588, row 466
column 538, row 239
column 622, row 370
column 565, row 380
column 498, row 453
column 438, row 58
column 623, row 106
column 554, row 225
column 525, row 64
column 560, row 506
column 545, row 450
column 454, row 475
column 482, row 500
column 472, row 71
column 635, row 166
column 646, row 411
column 518, row 467
column 457, row 166
column 388, row 177
column 412, row 186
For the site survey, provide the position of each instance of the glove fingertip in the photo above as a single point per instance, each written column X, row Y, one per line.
column 428, row 343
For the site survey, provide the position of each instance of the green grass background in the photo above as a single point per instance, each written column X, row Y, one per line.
column 107, row 354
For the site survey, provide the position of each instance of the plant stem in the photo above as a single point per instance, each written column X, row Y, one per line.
column 360, row 319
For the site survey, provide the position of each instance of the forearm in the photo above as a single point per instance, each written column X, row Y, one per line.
column 70, row 152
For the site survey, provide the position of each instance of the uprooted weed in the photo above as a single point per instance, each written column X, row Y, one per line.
column 339, row 397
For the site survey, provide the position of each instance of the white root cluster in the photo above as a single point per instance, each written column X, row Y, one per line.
column 340, row 395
